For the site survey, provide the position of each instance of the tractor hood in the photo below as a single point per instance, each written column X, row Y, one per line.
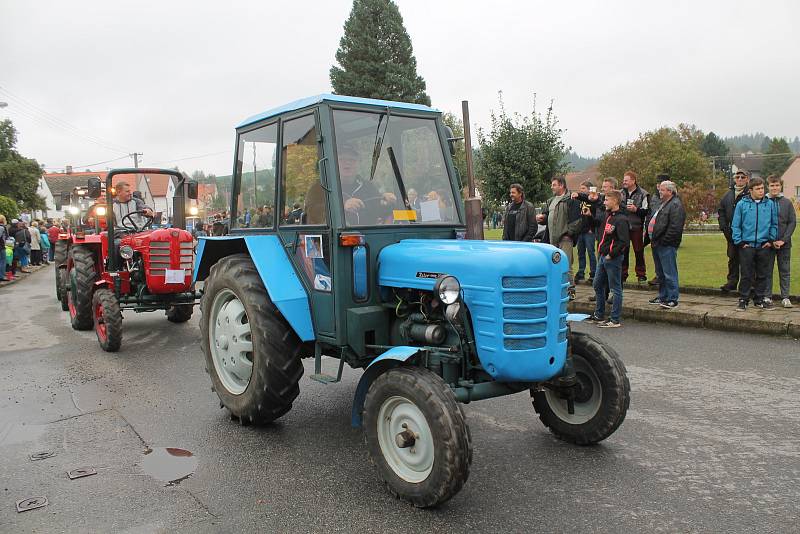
column 516, row 294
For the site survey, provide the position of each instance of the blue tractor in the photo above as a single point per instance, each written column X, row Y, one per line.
column 346, row 240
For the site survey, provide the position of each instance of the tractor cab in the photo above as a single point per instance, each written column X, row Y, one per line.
column 346, row 241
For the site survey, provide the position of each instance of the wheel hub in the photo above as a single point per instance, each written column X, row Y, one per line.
column 584, row 388
column 231, row 343
column 405, row 439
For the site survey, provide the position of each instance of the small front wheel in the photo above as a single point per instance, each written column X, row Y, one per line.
column 107, row 319
column 600, row 398
column 417, row 436
column 180, row 313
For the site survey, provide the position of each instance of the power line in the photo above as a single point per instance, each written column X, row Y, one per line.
column 34, row 112
column 86, row 165
column 190, row 157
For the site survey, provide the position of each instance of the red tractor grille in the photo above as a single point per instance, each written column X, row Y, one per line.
column 160, row 257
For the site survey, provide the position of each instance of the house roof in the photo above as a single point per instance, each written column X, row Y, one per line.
column 792, row 173
column 205, row 190
column 575, row 179
column 158, row 184
column 59, row 182
column 752, row 163
column 327, row 97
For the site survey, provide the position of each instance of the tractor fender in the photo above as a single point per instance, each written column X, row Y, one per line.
column 393, row 357
column 275, row 268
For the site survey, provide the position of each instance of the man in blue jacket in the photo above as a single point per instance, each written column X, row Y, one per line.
column 754, row 229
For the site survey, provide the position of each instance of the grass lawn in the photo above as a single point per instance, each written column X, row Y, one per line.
column 702, row 261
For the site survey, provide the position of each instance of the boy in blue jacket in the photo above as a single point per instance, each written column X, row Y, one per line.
column 754, row 229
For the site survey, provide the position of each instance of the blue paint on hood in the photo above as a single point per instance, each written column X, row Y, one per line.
column 517, row 298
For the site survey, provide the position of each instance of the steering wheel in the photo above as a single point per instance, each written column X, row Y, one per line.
column 133, row 226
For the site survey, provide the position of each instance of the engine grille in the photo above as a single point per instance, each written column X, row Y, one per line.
column 160, row 257
column 525, row 311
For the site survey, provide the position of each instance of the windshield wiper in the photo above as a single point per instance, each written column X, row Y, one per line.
column 399, row 178
column 376, row 149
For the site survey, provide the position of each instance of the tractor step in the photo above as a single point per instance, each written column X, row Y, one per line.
column 318, row 375
column 323, row 378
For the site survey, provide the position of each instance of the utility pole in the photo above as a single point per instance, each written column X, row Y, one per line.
column 135, row 157
column 472, row 204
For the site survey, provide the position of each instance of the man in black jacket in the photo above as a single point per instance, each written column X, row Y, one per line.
column 727, row 205
column 613, row 242
column 635, row 202
column 520, row 220
column 586, row 237
column 665, row 230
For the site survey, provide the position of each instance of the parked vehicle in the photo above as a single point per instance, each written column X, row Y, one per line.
column 364, row 262
column 130, row 265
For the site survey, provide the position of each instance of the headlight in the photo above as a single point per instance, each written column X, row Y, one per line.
column 74, row 210
column 126, row 251
column 193, row 210
column 101, row 211
column 447, row 289
column 556, row 257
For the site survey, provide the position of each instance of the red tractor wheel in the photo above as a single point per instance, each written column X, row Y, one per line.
column 107, row 319
column 81, row 286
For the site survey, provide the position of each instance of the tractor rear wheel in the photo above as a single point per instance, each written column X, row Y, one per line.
column 60, row 258
column 417, row 436
column 64, row 280
column 180, row 313
column 81, row 282
column 252, row 353
column 601, row 399
column 107, row 319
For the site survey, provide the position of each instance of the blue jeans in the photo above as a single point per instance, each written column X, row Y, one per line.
column 586, row 246
column 608, row 275
column 666, row 261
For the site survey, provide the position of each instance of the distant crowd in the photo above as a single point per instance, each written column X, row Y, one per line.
column 609, row 226
column 26, row 243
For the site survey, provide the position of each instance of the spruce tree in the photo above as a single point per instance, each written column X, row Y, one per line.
column 375, row 57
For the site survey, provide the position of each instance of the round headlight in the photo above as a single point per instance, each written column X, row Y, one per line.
column 193, row 210
column 126, row 251
column 101, row 211
column 447, row 289
column 556, row 257
column 74, row 210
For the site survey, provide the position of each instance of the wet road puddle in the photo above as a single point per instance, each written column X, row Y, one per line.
column 169, row 464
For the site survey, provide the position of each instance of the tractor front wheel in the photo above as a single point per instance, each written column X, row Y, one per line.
column 180, row 313
column 600, row 398
column 81, row 282
column 417, row 436
column 252, row 353
column 107, row 320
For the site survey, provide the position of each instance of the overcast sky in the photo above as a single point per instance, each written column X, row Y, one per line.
column 88, row 81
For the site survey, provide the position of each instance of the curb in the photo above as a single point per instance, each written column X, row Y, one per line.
column 695, row 290
column 732, row 321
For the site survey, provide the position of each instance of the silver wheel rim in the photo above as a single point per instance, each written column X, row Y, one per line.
column 231, row 342
column 584, row 411
column 412, row 463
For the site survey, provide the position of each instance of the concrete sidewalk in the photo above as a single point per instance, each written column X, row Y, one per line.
column 705, row 311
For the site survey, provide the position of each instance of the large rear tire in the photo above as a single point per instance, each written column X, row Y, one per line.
column 107, row 319
column 602, row 396
column 60, row 258
column 180, row 313
column 252, row 354
column 417, row 436
column 64, row 278
column 81, row 281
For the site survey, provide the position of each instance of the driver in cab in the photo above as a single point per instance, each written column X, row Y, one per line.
column 125, row 203
column 363, row 203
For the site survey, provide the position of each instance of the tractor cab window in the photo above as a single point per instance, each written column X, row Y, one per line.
column 303, row 199
column 255, row 176
column 392, row 170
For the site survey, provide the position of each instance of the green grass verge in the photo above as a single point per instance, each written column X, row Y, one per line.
column 702, row 261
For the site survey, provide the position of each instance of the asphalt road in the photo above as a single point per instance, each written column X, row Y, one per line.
column 711, row 441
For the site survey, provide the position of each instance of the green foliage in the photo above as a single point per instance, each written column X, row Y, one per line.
column 777, row 164
column 375, row 56
column 712, row 145
column 521, row 149
column 19, row 176
column 9, row 208
column 675, row 151
column 579, row 163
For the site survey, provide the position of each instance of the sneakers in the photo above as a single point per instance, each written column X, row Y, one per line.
column 669, row 304
column 592, row 298
column 595, row 319
column 641, row 279
column 786, row 303
column 571, row 293
column 578, row 277
column 654, row 301
column 742, row 306
column 765, row 304
column 726, row 288
column 590, row 280
column 609, row 324
column 653, row 281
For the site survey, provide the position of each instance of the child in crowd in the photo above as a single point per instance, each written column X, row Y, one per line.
column 614, row 240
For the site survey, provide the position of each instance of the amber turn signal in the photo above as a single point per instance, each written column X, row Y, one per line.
column 351, row 240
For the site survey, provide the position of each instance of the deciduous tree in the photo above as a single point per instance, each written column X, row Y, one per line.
column 19, row 176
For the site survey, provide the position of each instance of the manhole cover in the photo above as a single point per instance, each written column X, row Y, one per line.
column 41, row 455
column 81, row 472
column 31, row 503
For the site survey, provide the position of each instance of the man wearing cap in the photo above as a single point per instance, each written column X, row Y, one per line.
column 727, row 206
column 363, row 203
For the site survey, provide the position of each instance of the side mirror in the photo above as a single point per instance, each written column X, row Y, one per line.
column 360, row 289
column 94, row 188
column 65, row 199
column 451, row 139
column 191, row 189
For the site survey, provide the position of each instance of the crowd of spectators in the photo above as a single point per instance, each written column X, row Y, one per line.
column 25, row 243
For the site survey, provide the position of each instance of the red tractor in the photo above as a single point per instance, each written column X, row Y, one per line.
column 129, row 265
